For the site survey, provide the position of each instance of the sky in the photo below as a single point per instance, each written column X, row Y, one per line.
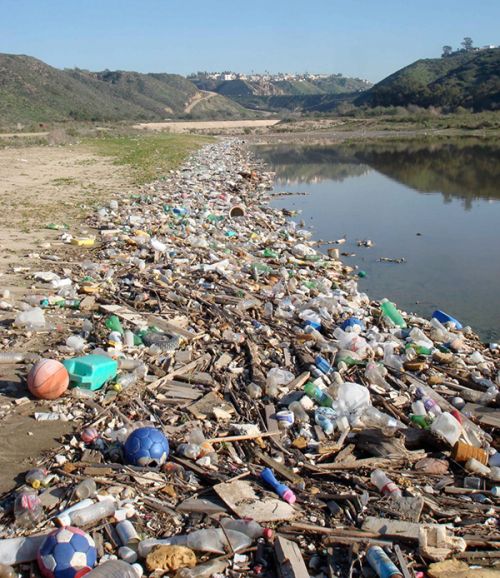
column 364, row 38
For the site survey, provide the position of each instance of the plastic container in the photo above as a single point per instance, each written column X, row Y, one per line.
column 391, row 313
column 127, row 533
column 93, row 513
column 15, row 551
column 373, row 418
column 212, row 568
column 381, row 563
column 326, row 418
column 282, row 490
column 33, row 319
column 28, row 509
column 355, row 398
column 443, row 318
column 12, row 357
column 446, row 427
column 463, row 452
column 213, row 540
column 91, row 371
column 248, row 527
column 323, row 365
column 113, row 569
column 86, row 489
column 474, row 466
column 384, row 484
column 64, row 517
column 319, row 395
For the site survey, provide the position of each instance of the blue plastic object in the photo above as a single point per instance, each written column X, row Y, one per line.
column 443, row 318
column 91, row 371
column 351, row 322
column 146, row 446
column 282, row 490
column 323, row 365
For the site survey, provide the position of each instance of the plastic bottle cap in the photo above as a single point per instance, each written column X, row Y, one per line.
column 267, row 533
column 289, row 497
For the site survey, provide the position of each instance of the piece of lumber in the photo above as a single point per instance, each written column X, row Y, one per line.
column 290, row 561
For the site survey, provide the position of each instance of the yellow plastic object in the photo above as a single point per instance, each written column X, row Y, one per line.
column 83, row 241
column 89, row 288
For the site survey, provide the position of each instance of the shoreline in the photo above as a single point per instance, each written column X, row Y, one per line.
column 175, row 254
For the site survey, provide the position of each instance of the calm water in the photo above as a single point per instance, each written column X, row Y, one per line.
column 437, row 206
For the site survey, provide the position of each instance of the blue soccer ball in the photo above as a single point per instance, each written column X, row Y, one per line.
column 146, row 446
column 67, row 553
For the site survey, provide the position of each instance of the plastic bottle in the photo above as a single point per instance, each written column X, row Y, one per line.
column 114, row 324
column 384, row 484
column 212, row 568
column 325, row 417
column 390, row 313
column 282, row 490
column 113, row 569
column 319, row 395
column 128, row 338
column 447, row 428
column 213, row 540
column 299, row 412
column 323, row 365
column 381, row 563
column 191, row 451
column 432, row 407
column 375, row 374
column 249, row 527
column 38, row 478
column 12, row 357
column 15, row 551
column 373, row 418
column 476, row 467
column 418, row 407
column 86, row 489
column 64, row 517
column 94, row 513
column 28, row 509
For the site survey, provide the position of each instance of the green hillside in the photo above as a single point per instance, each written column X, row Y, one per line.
column 465, row 79
column 32, row 91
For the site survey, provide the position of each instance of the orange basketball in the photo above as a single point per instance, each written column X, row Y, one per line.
column 48, row 379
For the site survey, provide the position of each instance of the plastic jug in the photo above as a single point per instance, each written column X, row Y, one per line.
column 443, row 317
column 447, row 428
column 92, row 371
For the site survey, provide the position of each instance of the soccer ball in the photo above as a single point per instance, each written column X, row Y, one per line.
column 146, row 446
column 67, row 553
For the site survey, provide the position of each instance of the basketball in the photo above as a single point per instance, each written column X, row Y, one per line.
column 48, row 379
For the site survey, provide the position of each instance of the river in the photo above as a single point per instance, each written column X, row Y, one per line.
column 435, row 204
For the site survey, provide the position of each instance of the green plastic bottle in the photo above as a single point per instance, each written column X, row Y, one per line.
column 318, row 394
column 270, row 253
column 113, row 324
column 421, row 420
column 390, row 311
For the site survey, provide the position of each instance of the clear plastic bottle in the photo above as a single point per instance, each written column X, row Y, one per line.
column 38, row 478
column 432, row 407
column 113, row 569
column 375, row 374
column 325, row 417
column 206, row 570
column 213, row 540
column 86, row 489
column 373, row 418
column 93, row 513
column 191, row 451
column 384, row 484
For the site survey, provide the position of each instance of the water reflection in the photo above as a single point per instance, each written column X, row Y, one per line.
column 467, row 169
column 392, row 193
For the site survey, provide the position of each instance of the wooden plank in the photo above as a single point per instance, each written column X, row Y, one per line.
column 290, row 561
column 240, row 496
column 394, row 528
column 487, row 416
column 170, row 327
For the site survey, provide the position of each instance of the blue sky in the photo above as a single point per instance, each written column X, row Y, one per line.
column 365, row 38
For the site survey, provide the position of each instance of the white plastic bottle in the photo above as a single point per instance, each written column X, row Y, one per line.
column 93, row 513
column 384, row 484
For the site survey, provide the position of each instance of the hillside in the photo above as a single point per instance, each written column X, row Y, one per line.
column 333, row 84
column 32, row 91
column 465, row 79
